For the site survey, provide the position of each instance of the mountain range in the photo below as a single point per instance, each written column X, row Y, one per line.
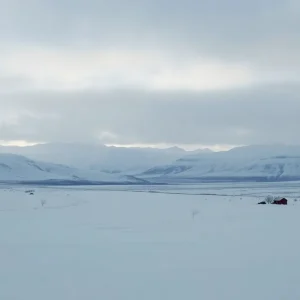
column 17, row 168
column 116, row 165
column 275, row 162
column 100, row 157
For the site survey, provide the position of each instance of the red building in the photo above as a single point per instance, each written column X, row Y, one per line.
column 282, row 201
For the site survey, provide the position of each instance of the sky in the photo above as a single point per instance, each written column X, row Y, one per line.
column 192, row 73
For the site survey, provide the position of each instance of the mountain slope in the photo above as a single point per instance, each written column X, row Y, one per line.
column 19, row 168
column 244, row 163
column 99, row 157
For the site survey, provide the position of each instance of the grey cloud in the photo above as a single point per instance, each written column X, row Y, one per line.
column 262, row 32
column 259, row 115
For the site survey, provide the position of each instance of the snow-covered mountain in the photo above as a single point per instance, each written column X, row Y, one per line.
column 100, row 157
column 19, row 168
column 120, row 165
column 274, row 162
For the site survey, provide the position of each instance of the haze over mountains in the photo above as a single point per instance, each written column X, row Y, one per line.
column 81, row 162
column 140, row 165
column 100, row 157
column 17, row 168
column 274, row 162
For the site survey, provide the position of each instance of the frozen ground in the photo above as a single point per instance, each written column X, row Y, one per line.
column 209, row 242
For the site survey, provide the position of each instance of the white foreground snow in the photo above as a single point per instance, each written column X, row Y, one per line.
column 91, row 244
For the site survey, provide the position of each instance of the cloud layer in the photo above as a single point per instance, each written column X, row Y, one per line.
column 262, row 115
column 141, row 71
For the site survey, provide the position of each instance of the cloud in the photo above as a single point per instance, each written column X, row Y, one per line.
column 67, row 70
column 98, row 21
column 255, row 115
column 150, row 71
column 262, row 34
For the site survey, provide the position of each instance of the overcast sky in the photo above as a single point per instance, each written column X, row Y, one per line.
column 149, row 72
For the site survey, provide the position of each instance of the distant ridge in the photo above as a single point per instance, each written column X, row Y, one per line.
column 256, row 163
column 16, row 168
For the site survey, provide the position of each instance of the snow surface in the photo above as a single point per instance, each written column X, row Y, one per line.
column 207, row 242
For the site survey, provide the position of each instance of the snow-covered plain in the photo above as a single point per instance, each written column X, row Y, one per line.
column 208, row 242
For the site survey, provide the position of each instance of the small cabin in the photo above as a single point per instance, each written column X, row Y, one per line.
column 281, row 201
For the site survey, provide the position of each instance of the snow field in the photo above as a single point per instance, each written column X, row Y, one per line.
column 99, row 244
